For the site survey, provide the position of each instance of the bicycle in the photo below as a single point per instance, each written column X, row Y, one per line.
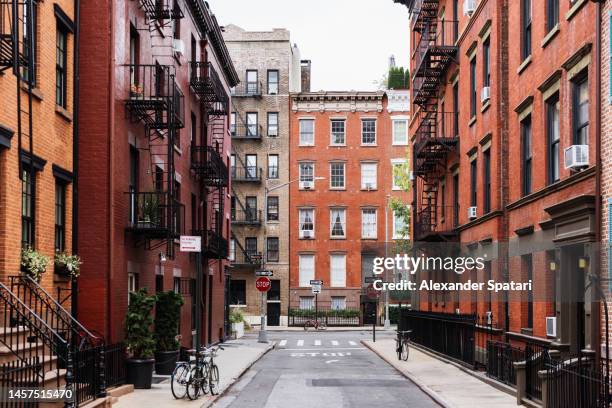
column 402, row 344
column 315, row 323
column 204, row 374
column 179, row 379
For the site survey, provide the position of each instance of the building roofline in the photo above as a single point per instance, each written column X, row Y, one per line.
column 339, row 95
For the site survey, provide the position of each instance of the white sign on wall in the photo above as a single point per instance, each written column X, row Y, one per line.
column 191, row 243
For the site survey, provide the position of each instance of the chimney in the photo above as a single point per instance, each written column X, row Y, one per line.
column 305, row 65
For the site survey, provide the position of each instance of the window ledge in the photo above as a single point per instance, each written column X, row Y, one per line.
column 551, row 34
column 400, row 144
column 485, row 106
column 575, row 8
column 369, row 189
column 337, row 145
column 472, row 121
column 338, row 238
column 526, row 62
column 337, row 189
column 63, row 113
column 306, row 145
column 369, row 239
column 369, row 145
column 36, row 92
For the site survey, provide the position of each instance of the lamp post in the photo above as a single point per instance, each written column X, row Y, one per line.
column 263, row 334
column 387, row 320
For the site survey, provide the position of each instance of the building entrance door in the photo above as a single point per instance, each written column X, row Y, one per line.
column 274, row 314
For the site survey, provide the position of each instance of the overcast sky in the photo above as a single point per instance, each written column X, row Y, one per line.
column 348, row 41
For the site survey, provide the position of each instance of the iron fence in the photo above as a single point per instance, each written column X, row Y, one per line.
column 19, row 374
column 331, row 317
column 114, row 364
column 501, row 357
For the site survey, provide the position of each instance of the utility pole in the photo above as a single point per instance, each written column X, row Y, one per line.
column 263, row 335
column 387, row 320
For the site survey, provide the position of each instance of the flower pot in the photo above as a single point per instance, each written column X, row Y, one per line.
column 165, row 361
column 238, row 329
column 140, row 372
column 61, row 269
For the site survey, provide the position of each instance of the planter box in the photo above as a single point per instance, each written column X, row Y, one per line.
column 238, row 330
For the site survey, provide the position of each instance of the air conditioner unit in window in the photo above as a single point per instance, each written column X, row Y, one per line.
column 178, row 46
column 472, row 212
column 306, row 185
column 485, row 94
column 551, row 326
column 469, row 7
column 306, row 234
column 576, row 156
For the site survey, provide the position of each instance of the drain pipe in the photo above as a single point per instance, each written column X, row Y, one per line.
column 75, row 154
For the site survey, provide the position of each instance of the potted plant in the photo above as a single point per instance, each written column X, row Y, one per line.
column 150, row 212
column 139, row 339
column 236, row 318
column 33, row 263
column 167, row 317
column 136, row 91
column 67, row 264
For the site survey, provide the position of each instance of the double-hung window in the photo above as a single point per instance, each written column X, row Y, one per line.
column 474, row 183
column 473, row 92
column 338, row 302
column 272, row 249
column 60, row 216
column 398, row 166
column 252, row 84
column 272, row 209
column 337, row 172
column 369, row 173
column 552, row 136
column 273, row 82
column 307, row 132
column 306, row 172
column 252, row 124
column 306, row 223
column 368, row 223
column 27, row 208
column 61, row 73
column 368, row 131
column 338, row 132
column 338, row 223
column 486, row 62
column 273, row 166
column 272, row 124
column 580, row 110
column 399, row 226
column 338, row 270
column 526, row 156
column 400, row 132
column 306, row 270
column 525, row 29
column 486, row 156
column 552, row 14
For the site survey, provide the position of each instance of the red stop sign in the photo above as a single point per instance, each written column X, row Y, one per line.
column 263, row 284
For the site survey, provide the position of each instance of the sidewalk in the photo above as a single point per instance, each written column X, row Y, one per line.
column 238, row 356
column 392, row 329
column 447, row 384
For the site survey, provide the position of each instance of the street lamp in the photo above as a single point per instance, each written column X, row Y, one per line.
column 263, row 335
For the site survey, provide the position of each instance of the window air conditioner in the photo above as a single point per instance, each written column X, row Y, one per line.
column 472, row 212
column 306, row 185
column 485, row 94
column 178, row 46
column 551, row 326
column 469, row 7
column 576, row 156
column 306, row 234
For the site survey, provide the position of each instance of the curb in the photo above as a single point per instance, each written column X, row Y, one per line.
column 208, row 403
column 431, row 393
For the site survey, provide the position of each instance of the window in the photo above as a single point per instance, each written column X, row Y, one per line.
column 368, row 223
column 487, row 180
column 306, row 269
column 275, row 290
column 338, row 302
column 61, row 74
column 272, row 249
column 307, row 302
column 552, row 136
column 338, row 129
column 368, row 131
column 251, row 208
column 306, row 172
column 133, row 187
column 473, row 94
column 232, row 250
column 306, row 222
column 176, row 284
column 134, row 54
column 233, row 123
column 194, row 213
column 474, row 183
column 251, row 166
column 233, row 165
column 526, row 155
column 252, row 86
column 272, row 208
column 272, row 124
column 456, row 106
column 250, row 246
column 552, row 14
column 338, row 223
column 194, row 131
column 159, row 283
column 486, row 62
column 368, row 176
column 159, row 178
column 60, row 216
column 581, row 111
column 176, row 22
column 273, row 82
column 336, row 171
column 27, row 208
column 338, row 270
column 238, row 292
column 252, row 124
column 455, row 20
column 400, row 228
column 132, row 284
column 400, row 132
column 273, row 166
column 398, row 167
column 29, row 72
column 528, row 273
column 455, row 199
column 443, row 201
column 307, row 132
column 525, row 29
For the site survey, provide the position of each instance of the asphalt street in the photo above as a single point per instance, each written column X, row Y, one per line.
column 323, row 370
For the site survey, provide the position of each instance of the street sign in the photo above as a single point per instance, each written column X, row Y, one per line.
column 316, row 289
column 191, row 243
column 263, row 272
column 316, row 282
column 263, row 284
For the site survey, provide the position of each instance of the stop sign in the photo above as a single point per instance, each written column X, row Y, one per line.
column 263, row 284
column 371, row 292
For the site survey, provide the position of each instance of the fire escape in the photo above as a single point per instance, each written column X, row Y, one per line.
column 437, row 133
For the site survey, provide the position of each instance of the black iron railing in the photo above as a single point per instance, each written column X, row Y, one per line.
column 155, row 214
column 248, row 89
column 161, row 9
column 331, row 317
column 501, row 357
column 19, row 374
column 246, row 132
column 436, row 39
column 435, row 219
column 206, row 83
column 215, row 245
column 247, row 173
column 248, row 216
column 209, row 166
column 439, row 130
column 151, row 94
column 244, row 257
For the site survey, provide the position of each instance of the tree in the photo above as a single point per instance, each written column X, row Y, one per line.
column 398, row 78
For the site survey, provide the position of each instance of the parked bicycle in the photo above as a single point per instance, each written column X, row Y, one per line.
column 402, row 344
column 314, row 323
column 197, row 376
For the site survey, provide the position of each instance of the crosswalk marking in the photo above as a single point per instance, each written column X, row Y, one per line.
column 282, row 343
column 300, row 343
column 317, row 342
column 334, row 343
column 352, row 343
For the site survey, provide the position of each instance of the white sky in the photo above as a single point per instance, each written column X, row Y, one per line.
column 348, row 41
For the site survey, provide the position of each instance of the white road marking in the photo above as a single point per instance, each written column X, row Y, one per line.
column 352, row 343
column 331, row 361
column 317, row 342
column 319, row 349
column 334, row 343
column 282, row 343
column 300, row 343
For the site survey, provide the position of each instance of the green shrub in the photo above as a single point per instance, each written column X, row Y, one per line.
column 236, row 316
column 138, row 321
column 167, row 318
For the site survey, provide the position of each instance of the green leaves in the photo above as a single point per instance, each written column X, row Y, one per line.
column 34, row 262
column 167, row 319
column 398, row 78
column 236, row 316
column 71, row 262
column 138, row 320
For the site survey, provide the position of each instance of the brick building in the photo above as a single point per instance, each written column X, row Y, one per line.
column 154, row 164
column 36, row 136
column 343, row 148
column 269, row 69
column 503, row 92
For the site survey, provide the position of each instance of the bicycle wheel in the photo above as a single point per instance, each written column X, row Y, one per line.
column 204, row 382
column 178, row 380
column 213, row 379
column 405, row 350
column 193, row 385
column 322, row 326
column 398, row 349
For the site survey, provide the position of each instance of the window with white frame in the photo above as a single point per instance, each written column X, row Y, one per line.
column 307, row 132
column 338, row 223
column 338, row 302
column 336, row 172
column 307, row 302
column 338, row 132
column 368, row 176
column 399, row 227
column 306, row 269
column 306, row 172
column 400, row 132
column 338, row 270
column 306, row 223
column 368, row 131
column 368, row 223
column 398, row 166
column 232, row 250
column 132, row 284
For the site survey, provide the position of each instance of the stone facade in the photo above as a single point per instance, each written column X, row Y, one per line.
column 255, row 103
